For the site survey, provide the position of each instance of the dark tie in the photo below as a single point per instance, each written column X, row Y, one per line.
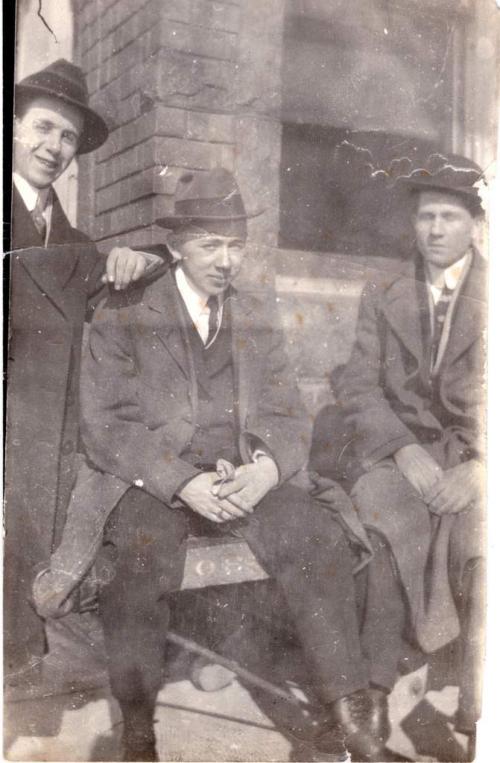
column 213, row 318
column 440, row 311
column 39, row 219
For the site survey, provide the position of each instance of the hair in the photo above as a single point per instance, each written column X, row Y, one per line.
column 471, row 203
column 177, row 238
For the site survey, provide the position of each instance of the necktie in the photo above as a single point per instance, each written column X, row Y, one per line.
column 39, row 219
column 213, row 318
column 440, row 310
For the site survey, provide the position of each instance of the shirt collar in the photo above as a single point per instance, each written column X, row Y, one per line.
column 29, row 194
column 195, row 302
column 450, row 276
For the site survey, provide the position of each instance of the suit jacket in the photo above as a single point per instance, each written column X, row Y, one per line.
column 49, row 293
column 139, row 391
column 387, row 394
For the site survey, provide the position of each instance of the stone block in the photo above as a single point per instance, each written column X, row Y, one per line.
column 190, row 82
column 262, row 19
column 224, row 156
column 183, row 153
column 216, row 128
column 212, row 14
column 195, row 40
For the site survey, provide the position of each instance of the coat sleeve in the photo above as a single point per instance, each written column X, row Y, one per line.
column 115, row 437
column 157, row 256
column 378, row 430
column 278, row 424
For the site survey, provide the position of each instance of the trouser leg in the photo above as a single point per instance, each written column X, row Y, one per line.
column 144, row 551
column 382, row 613
column 300, row 544
column 472, row 621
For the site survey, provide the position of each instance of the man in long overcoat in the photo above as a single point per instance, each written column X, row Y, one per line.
column 413, row 394
column 55, row 271
column 180, row 376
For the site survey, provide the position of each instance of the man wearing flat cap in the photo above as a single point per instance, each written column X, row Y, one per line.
column 185, row 380
column 413, row 392
column 54, row 272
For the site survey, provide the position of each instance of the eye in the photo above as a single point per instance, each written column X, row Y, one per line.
column 43, row 127
column 70, row 138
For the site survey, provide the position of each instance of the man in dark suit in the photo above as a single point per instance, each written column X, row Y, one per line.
column 182, row 377
column 55, row 271
column 413, row 392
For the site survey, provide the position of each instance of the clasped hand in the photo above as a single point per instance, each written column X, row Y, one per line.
column 221, row 501
column 444, row 492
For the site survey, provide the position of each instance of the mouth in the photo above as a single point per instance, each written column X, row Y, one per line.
column 48, row 164
column 219, row 280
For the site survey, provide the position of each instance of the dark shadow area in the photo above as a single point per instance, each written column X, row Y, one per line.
column 430, row 732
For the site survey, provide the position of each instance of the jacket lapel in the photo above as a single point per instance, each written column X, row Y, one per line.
column 164, row 299
column 407, row 308
column 469, row 319
column 244, row 351
column 61, row 232
column 24, row 233
column 50, row 268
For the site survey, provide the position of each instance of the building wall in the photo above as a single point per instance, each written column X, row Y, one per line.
column 185, row 85
column 192, row 84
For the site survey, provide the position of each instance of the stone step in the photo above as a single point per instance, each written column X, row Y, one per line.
column 219, row 561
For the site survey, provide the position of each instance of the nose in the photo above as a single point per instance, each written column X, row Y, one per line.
column 223, row 259
column 53, row 142
column 437, row 227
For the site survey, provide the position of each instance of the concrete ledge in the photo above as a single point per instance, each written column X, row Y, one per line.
column 219, row 561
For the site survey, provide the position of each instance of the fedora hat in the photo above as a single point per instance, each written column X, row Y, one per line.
column 66, row 82
column 450, row 173
column 207, row 199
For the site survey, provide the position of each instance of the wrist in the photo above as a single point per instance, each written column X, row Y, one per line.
column 268, row 465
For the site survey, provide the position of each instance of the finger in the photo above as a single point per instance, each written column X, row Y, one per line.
column 213, row 517
column 111, row 265
column 434, row 492
column 226, row 516
column 121, row 267
column 228, row 488
column 230, row 508
column 129, row 267
column 140, row 268
column 238, row 500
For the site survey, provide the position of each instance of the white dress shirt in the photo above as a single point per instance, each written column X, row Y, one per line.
column 196, row 305
column 438, row 278
column 30, row 197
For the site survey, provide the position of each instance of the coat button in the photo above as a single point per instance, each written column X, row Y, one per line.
column 68, row 447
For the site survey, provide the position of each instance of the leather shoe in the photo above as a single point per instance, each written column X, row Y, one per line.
column 364, row 723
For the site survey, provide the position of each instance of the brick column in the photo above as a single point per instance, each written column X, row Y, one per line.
column 184, row 85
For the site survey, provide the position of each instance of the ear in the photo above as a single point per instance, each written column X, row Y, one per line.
column 176, row 255
column 479, row 231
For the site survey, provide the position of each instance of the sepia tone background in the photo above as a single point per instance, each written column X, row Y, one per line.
column 304, row 100
column 316, row 105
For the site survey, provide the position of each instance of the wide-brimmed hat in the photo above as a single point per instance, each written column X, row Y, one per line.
column 450, row 173
column 65, row 81
column 206, row 199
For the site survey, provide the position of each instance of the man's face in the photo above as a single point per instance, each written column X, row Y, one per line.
column 211, row 261
column 445, row 228
column 46, row 139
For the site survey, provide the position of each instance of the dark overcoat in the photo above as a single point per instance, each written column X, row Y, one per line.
column 390, row 401
column 387, row 395
column 139, row 389
column 50, row 288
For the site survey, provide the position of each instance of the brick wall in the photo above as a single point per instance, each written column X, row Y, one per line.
column 183, row 84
